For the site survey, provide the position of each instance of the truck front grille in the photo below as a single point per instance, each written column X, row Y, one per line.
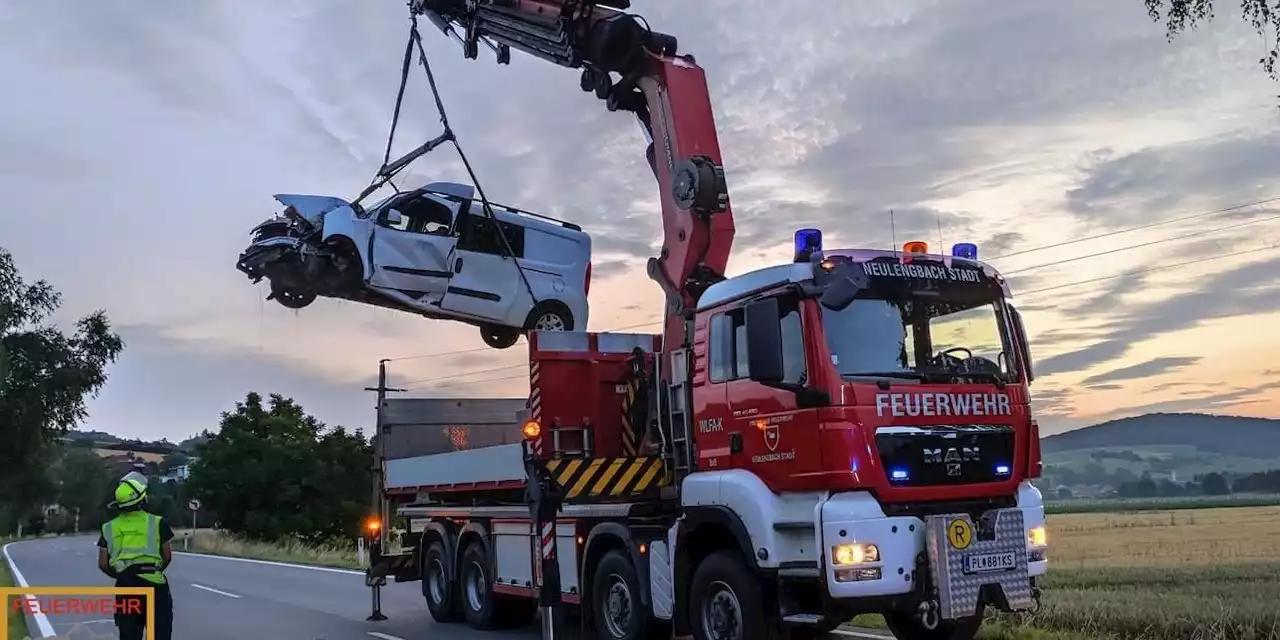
column 944, row 455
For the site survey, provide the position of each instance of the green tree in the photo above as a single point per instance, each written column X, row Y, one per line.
column 85, row 485
column 273, row 471
column 45, row 378
column 172, row 460
column 1264, row 15
column 1214, row 484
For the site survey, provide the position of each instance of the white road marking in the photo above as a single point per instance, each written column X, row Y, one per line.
column 212, row 590
column 382, row 635
column 42, row 621
column 270, row 563
column 859, row 634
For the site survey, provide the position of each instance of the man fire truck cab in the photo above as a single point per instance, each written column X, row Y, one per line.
column 849, row 433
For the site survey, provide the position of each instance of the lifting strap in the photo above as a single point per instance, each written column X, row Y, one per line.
column 389, row 169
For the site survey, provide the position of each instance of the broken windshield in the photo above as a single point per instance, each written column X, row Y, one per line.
column 931, row 331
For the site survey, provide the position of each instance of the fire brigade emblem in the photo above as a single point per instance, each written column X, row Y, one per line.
column 771, row 437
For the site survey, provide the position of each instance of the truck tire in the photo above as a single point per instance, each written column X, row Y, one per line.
column 475, row 588
column 438, row 585
column 725, row 602
column 907, row 626
column 616, row 609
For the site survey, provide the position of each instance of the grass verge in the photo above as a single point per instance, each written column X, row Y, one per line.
column 16, row 620
column 223, row 544
column 1122, row 505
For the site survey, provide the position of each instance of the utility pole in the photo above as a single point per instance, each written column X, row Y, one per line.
column 380, row 506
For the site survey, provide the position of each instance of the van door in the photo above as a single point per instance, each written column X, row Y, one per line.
column 411, row 255
column 484, row 281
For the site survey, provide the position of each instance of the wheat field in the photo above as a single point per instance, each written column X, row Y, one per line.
column 1204, row 574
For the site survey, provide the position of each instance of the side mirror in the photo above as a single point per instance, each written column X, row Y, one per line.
column 394, row 218
column 764, row 342
column 1024, row 347
column 844, row 286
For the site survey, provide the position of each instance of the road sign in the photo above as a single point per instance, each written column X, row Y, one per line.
column 194, row 505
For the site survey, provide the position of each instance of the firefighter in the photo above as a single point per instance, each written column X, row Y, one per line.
column 135, row 549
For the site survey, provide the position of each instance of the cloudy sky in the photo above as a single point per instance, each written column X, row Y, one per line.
column 141, row 140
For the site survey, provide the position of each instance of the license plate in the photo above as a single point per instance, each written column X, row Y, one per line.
column 986, row 562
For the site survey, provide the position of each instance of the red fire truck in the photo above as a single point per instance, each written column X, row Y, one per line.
column 848, row 432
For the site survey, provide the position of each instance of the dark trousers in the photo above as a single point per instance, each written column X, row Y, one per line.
column 131, row 611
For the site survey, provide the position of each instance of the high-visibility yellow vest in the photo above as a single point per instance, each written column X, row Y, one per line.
column 133, row 538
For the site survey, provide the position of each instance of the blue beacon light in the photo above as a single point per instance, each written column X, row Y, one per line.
column 898, row 475
column 808, row 244
column 965, row 250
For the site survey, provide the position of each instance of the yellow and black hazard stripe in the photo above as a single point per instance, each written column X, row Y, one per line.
column 630, row 443
column 603, row 478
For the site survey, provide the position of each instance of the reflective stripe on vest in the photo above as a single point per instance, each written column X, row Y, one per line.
column 133, row 538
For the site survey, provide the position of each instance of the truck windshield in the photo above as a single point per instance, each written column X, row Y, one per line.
column 941, row 333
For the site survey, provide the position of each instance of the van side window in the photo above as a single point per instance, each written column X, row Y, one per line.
column 477, row 233
column 728, row 344
column 720, row 349
column 420, row 214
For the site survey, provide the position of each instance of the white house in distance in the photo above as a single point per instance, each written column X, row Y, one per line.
column 179, row 473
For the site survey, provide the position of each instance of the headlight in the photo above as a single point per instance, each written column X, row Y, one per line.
column 847, row 554
column 1037, row 537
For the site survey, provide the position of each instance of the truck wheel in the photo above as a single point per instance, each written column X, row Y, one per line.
column 725, row 600
column 438, row 587
column 907, row 626
column 476, row 588
column 615, row 598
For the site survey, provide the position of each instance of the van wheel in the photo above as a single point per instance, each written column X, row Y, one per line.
column 725, row 600
column 499, row 337
column 549, row 315
column 475, row 585
column 438, row 586
column 615, row 599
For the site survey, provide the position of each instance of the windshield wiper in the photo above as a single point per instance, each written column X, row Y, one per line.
column 905, row 375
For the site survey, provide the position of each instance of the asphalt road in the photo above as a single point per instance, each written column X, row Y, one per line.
column 217, row 598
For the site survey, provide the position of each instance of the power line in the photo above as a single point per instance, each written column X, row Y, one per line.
column 470, row 373
column 1152, row 225
column 1144, row 244
column 1148, row 270
column 1018, row 295
column 459, row 352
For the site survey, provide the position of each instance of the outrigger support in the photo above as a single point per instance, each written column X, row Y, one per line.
column 545, row 497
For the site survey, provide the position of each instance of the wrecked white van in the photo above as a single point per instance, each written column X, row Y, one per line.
column 432, row 251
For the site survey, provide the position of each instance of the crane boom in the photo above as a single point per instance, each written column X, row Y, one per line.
column 632, row 68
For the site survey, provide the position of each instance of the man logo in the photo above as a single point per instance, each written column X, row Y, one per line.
column 952, row 457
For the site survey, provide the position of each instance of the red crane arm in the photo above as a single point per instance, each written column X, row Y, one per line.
column 631, row 68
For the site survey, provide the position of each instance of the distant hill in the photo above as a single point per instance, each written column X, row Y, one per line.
column 1208, row 434
column 101, row 440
